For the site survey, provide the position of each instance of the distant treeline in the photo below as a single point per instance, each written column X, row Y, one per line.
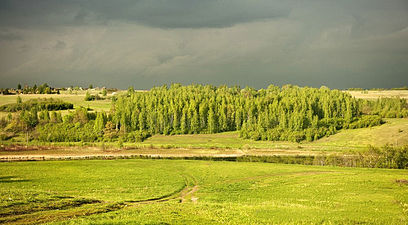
column 49, row 104
column 42, row 89
column 47, row 89
column 287, row 113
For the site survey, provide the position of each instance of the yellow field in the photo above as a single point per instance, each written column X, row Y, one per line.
column 393, row 132
column 379, row 94
column 76, row 99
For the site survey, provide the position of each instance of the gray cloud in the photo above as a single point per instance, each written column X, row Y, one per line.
column 195, row 13
column 198, row 13
column 161, row 13
column 247, row 42
column 10, row 36
column 60, row 45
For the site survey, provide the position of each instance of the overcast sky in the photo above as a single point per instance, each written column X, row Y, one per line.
column 142, row 43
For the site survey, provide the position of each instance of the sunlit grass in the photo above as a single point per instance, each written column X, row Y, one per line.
column 227, row 192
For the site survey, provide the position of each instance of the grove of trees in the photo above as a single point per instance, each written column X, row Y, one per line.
column 288, row 113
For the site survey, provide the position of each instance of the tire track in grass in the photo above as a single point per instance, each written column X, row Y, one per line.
column 189, row 188
column 190, row 194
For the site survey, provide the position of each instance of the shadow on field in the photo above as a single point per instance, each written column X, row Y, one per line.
column 52, row 210
column 11, row 179
column 59, row 208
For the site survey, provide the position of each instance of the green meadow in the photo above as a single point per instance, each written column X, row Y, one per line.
column 199, row 192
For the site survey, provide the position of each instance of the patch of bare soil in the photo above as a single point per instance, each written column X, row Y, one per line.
column 190, row 195
column 402, row 181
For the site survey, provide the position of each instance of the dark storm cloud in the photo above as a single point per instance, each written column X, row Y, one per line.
column 10, row 36
column 194, row 13
column 184, row 13
column 161, row 13
column 361, row 43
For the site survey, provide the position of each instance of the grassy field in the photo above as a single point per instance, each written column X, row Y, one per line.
column 379, row 94
column 393, row 132
column 77, row 99
column 198, row 192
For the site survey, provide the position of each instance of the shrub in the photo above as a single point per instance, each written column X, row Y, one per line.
column 49, row 104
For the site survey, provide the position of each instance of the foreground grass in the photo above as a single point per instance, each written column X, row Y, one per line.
column 106, row 192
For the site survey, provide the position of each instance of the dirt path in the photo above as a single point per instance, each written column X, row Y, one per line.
column 190, row 195
column 182, row 194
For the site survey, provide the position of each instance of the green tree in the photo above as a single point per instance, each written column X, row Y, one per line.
column 19, row 100
column 212, row 121
column 184, row 123
column 100, row 122
column 29, row 120
column 88, row 97
column 110, row 132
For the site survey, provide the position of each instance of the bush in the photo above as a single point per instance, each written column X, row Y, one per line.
column 386, row 157
column 137, row 136
column 66, row 132
column 366, row 121
column 89, row 97
column 49, row 104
